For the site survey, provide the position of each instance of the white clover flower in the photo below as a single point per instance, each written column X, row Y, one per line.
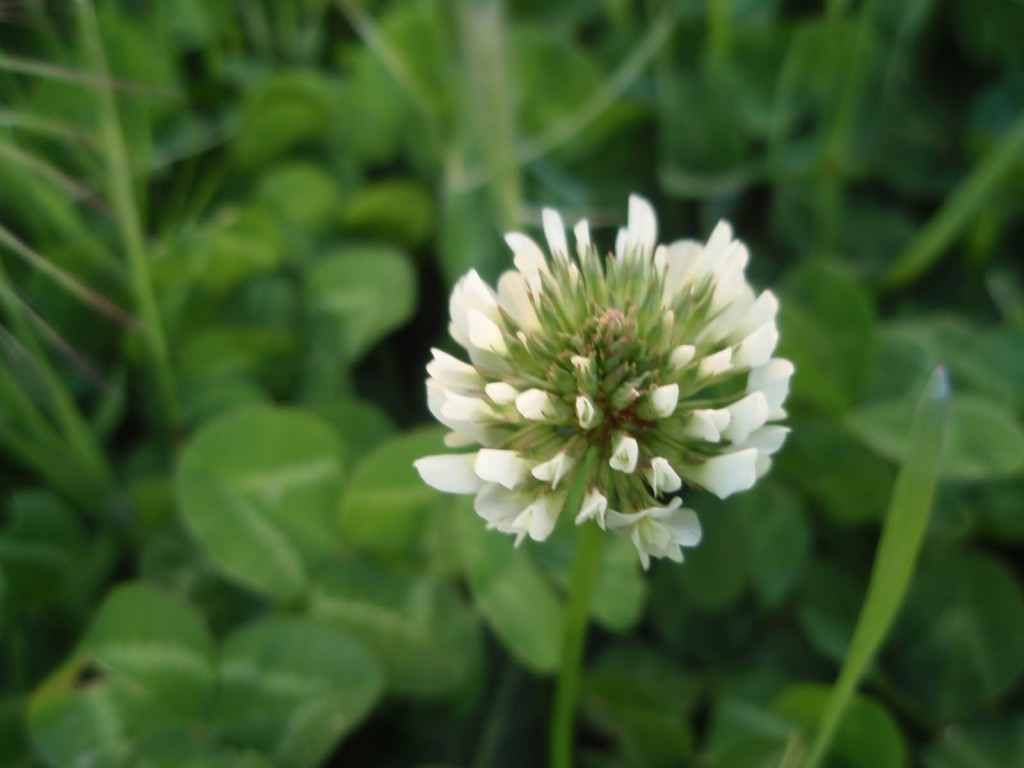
column 658, row 358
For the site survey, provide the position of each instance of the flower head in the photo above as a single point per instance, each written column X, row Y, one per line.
column 657, row 359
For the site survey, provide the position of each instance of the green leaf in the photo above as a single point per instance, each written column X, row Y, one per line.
column 510, row 593
column 827, row 605
column 847, row 481
column 257, row 489
column 776, row 538
column 994, row 742
column 293, row 688
column 103, row 723
column 155, row 640
column 985, row 440
column 826, row 327
column 642, row 700
column 302, row 193
column 358, row 295
column 41, row 547
column 959, row 643
column 398, row 210
column 359, row 422
column 383, row 508
column 714, row 575
column 425, row 636
column 868, row 736
column 286, row 111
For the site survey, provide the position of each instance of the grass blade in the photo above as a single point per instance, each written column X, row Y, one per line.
column 906, row 520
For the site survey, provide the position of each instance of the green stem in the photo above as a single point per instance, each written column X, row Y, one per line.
column 127, row 211
column 902, row 534
column 581, row 589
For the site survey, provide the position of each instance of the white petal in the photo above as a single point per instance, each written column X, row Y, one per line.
column 583, row 244
column 712, row 365
column 620, row 243
column 586, row 413
column 582, row 364
column 529, row 258
column 704, row 425
column 461, row 408
column 485, row 334
column 537, row 405
column 554, row 469
column 499, row 506
column 554, row 231
column 592, row 507
column 662, row 477
column 451, row 473
column 506, row 468
column 453, row 373
column 514, row 298
column 624, row 454
column 664, row 400
column 501, row 393
column 470, row 293
column 757, row 347
column 726, row 474
column 772, row 379
column 642, row 229
column 537, row 520
column 684, row 526
column 745, row 416
column 764, row 310
column 679, row 258
column 681, row 356
column 767, row 440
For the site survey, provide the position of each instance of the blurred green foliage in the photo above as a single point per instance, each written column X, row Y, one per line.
column 227, row 235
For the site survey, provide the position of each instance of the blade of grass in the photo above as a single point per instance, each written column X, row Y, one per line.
column 126, row 209
column 958, row 210
column 73, row 426
column 65, row 279
column 902, row 533
column 101, row 82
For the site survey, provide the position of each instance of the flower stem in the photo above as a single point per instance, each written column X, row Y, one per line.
column 584, row 574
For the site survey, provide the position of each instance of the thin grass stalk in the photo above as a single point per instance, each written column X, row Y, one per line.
column 956, row 213
column 902, row 533
column 127, row 213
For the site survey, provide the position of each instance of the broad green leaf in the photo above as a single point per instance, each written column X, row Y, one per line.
column 358, row 421
column 776, row 538
column 829, row 597
column 985, row 440
column 642, row 700
column 383, row 509
column 358, row 295
column 286, row 111
column 257, row 489
column 995, row 741
column 743, row 734
column 293, row 688
column 75, row 721
column 959, row 643
column 867, row 738
column 225, row 353
column 714, row 575
column 302, row 193
column 152, row 638
column 41, row 547
column 398, row 210
column 847, row 481
column 826, row 327
column 510, row 593
column 418, row 627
